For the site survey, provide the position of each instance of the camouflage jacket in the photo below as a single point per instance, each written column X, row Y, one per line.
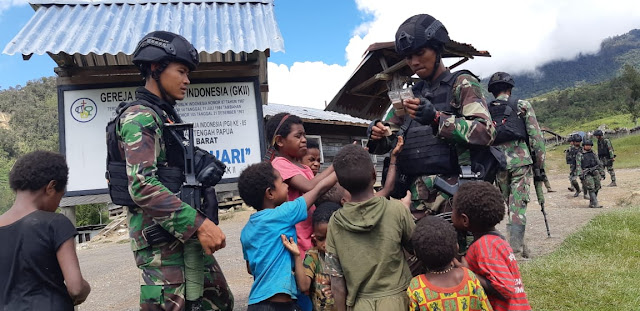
column 139, row 133
column 470, row 125
column 573, row 159
column 517, row 151
column 595, row 170
column 606, row 143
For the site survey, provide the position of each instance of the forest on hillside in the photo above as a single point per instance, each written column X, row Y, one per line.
column 585, row 69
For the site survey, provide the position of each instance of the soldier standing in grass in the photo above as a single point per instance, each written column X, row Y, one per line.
column 589, row 168
column 143, row 145
column 606, row 155
column 519, row 137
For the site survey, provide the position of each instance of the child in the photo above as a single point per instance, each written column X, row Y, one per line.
column 262, row 187
column 365, row 240
column 312, row 158
column 38, row 261
column 310, row 273
column 286, row 135
column 444, row 286
column 478, row 207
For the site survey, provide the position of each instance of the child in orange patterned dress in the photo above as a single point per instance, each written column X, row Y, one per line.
column 444, row 286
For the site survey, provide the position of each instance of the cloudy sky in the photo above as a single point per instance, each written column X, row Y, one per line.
column 325, row 40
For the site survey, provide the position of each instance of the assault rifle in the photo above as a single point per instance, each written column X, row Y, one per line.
column 466, row 175
column 539, row 176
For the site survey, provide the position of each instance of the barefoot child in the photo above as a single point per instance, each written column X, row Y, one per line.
column 39, row 268
column 262, row 187
column 444, row 286
column 478, row 207
column 310, row 274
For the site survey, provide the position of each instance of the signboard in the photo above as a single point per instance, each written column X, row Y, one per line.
column 227, row 119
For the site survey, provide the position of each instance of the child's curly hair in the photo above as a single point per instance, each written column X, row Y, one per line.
column 324, row 211
column 435, row 242
column 482, row 202
column 284, row 129
column 36, row 169
column 253, row 182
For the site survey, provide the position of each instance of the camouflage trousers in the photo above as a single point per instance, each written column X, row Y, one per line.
column 573, row 178
column 162, row 286
column 592, row 182
column 608, row 163
column 426, row 200
column 514, row 184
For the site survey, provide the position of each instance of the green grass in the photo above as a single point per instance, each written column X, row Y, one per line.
column 596, row 268
column 627, row 151
column 613, row 122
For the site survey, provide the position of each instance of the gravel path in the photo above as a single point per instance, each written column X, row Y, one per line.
column 111, row 271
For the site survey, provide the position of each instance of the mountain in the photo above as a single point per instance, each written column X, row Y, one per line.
column 584, row 69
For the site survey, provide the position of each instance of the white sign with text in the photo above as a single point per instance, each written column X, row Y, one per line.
column 224, row 117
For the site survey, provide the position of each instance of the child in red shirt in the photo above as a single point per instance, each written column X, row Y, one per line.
column 478, row 207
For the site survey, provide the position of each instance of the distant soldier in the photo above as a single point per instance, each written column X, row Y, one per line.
column 575, row 140
column 519, row 137
column 590, row 170
column 606, row 155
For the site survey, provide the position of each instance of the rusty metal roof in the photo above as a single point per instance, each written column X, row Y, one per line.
column 365, row 93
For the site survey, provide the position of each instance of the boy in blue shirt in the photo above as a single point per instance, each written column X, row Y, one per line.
column 261, row 186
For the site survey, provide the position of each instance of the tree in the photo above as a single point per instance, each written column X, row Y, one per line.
column 631, row 80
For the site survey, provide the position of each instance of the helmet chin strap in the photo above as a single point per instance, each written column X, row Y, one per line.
column 436, row 65
column 163, row 93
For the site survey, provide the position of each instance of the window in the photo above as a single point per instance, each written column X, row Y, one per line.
column 317, row 139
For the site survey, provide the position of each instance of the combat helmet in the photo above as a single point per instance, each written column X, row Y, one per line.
column 500, row 77
column 158, row 46
column 587, row 142
column 575, row 138
column 597, row 133
column 420, row 31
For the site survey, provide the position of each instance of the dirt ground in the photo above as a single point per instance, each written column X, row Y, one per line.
column 110, row 269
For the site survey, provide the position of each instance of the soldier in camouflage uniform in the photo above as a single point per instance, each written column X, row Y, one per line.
column 589, row 168
column 519, row 137
column 451, row 106
column 575, row 140
column 165, row 60
column 606, row 155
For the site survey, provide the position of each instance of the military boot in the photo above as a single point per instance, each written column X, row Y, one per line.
column 585, row 194
column 575, row 195
column 594, row 200
column 194, row 305
column 571, row 189
column 516, row 239
column 613, row 184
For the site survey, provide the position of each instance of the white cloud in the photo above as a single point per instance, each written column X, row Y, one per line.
column 520, row 35
column 6, row 4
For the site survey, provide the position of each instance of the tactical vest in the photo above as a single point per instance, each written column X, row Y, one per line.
column 170, row 174
column 423, row 152
column 603, row 151
column 589, row 160
column 509, row 125
column 571, row 155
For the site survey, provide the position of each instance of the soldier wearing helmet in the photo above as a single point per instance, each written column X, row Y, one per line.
column 519, row 138
column 446, row 117
column 139, row 141
column 575, row 142
column 606, row 155
column 590, row 170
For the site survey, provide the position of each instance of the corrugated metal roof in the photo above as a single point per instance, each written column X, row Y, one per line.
column 107, row 27
column 312, row 114
column 63, row 2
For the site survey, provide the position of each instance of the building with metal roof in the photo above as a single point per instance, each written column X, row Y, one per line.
column 364, row 95
column 312, row 115
column 92, row 42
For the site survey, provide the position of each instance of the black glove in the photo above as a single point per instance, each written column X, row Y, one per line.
column 426, row 112
column 371, row 125
column 209, row 170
